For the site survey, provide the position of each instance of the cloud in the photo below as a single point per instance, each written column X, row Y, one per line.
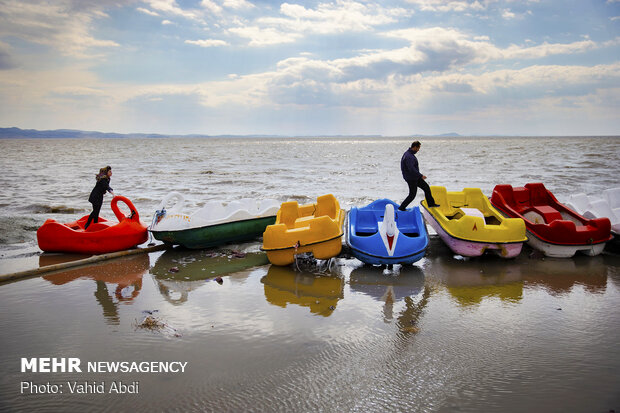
column 264, row 36
column 296, row 21
column 382, row 72
column 238, row 4
column 539, row 80
column 299, row 85
column 444, row 49
column 292, row 22
column 6, row 59
column 56, row 24
column 236, row 92
column 519, row 89
column 207, row 42
column 507, row 14
column 343, row 16
column 171, row 7
column 211, row 6
column 434, row 55
column 547, row 49
column 77, row 93
column 612, row 42
column 432, row 61
column 146, row 11
column 448, row 5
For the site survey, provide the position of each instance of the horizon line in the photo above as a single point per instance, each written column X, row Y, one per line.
column 5, row 131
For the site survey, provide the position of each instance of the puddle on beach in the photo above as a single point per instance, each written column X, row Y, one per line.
column 447, row 334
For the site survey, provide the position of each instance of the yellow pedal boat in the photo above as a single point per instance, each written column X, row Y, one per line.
column 468, row 223
column 315, row 228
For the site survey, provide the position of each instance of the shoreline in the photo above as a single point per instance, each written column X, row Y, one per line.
column 75, row 263
column 40, row 263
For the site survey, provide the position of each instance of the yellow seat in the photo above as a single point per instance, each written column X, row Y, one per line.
column 327, row 205
column 288, row 213
column 489, row 226
column 315, row 228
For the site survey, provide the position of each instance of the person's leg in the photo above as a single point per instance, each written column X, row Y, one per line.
column 430, row 201
column 96, row 210
column 94, row 216
column 413, row 190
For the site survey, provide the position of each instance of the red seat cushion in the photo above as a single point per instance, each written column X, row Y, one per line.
column 549, row 214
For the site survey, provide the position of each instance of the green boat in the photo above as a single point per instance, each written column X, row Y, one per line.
column 216, row 223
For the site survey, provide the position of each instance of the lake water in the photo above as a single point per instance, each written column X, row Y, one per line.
column 445, row 335
column 52, row 178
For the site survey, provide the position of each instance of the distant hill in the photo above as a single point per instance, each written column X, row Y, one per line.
column 17, row 133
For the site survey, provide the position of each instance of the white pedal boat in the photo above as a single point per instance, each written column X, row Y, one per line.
column 214, row 224
column 605, row 206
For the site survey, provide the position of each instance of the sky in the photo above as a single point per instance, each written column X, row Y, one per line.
column 345, row 67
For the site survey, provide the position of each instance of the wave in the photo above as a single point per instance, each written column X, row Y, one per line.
column 52, row 209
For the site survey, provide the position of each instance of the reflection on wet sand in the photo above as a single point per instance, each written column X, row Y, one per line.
column 126, row 273
column 470, row 281
column 559, row 276
column 179, row 271
column 390, row 289
column 320, row 293
column 47, row 259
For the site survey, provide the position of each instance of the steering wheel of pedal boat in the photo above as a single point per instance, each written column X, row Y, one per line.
column 119, row 215
column 180, row 200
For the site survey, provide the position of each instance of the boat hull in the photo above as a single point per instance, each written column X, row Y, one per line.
column 552, row 227
column 562, row 251
column 322, row 251
column 100, row 238
column 214, row 235
column 311, row 228
column 367, row 236
column 379, row 260
column 468, row 248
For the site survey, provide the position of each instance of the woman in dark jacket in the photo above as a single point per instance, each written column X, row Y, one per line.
column 96, row 195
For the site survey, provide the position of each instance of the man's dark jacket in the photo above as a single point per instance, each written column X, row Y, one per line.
column 409, row 166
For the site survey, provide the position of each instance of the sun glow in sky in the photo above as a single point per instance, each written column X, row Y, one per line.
column 396, row 67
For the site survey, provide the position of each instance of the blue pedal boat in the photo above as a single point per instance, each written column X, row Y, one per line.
column 379, row 234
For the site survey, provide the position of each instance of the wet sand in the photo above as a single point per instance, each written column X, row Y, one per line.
column 447, row 334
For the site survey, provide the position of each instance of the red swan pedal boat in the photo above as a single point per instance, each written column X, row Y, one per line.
column 552, row 228
column 99, row 238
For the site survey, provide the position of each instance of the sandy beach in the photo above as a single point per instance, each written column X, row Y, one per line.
column 447, row 333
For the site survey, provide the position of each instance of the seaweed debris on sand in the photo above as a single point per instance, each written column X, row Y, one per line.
column 155, row 324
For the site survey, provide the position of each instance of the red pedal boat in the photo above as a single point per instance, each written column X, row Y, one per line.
column 552, row 228
column 99, row 238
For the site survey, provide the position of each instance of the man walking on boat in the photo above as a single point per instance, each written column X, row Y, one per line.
column 413, row 177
